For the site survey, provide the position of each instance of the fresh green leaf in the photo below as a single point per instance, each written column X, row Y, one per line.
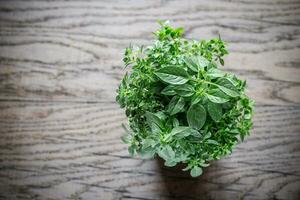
column 175, row 122
column 167, row 153
column 169, row 90
column 202, row 62
column 196, row 116
column 176, row 105
column 185, row 90
column 216, row 99
column 183, row 131
column 228, row 91
column 154, row 122
column 215, row 111
column 214, row 142
column 148, row 152
column 170, row 163
column 196, row 62
column 191, row 62
column 227, row 87
column 173, row 75
column 131, row 150
column 149, row 143
column 215, row 73
column 196, row 171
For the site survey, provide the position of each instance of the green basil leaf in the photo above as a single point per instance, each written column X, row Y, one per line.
column 147, row 152
column 218, row 93
column 131, row 150
column 176, row 105
column 185, row 90
column 181, row 131
column 227, row 87
column 167, row 153
column 228, row 91
column 175, row 122
column 149, row 143
column 212, row 142
column 196, row 116
column 170, row 163
column 196, row 99
column 216, row 99
column 169, row 90
column 173, row 75
column 154, row 122
column 215, row 111
column 161, row 115
column 215, row 73
column 202, row 62
column 196, row 171
column 203, row 164
column 196, row 62
column 191, row 62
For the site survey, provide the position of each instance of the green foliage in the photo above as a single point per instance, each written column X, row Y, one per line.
column 180, row 106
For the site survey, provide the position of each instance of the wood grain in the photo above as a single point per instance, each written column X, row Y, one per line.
column 60, row 63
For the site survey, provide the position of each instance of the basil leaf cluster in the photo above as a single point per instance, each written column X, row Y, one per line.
column 180, row 105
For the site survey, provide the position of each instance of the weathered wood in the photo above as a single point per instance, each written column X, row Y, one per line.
column 60, row 63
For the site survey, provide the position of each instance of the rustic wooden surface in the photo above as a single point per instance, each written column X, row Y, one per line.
column 60, row 63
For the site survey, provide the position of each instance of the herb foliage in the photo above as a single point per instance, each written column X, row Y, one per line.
column 180, row 106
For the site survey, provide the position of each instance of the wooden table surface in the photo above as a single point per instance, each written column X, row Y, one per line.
column 60, row 64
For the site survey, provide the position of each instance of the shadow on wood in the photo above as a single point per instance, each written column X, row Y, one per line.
column 180, row 185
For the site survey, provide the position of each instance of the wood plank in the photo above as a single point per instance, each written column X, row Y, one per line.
column 73, row 150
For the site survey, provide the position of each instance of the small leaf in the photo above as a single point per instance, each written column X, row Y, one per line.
column 175, row 122
column 202, row 62
column 212, row 142
column 216, row 99
column 176, row 105
column 149, row 143
column 170, row 163
column 154, row 122
column 196, row 62
column 208, row 135
column 218, row 93
column 147, row 152
column 173, row 75
column 167, row 153
column 191, row 62
column 196, row 99
column 161, row 115
column 131, row 150
column 196, row 116
column 228, row 91
column 215, row 111
column 204, row 164
column 227, row 87
column 187, row 168
column 215, row 73
column 182, row 131
column 196, row 171
column 169, row 90
column 221, row 61
column 126, row 138
column 185, row 90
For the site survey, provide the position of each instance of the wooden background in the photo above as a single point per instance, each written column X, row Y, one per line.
column 60, row 63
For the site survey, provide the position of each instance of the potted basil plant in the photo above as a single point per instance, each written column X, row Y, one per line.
column 180, row 105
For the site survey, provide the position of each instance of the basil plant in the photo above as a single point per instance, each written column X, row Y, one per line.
column 180, row 105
